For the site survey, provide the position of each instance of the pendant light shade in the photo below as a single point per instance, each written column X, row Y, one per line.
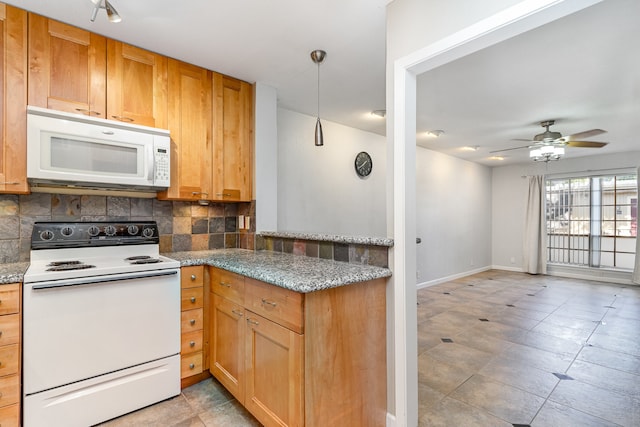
column 319, row 137
column 317, row 56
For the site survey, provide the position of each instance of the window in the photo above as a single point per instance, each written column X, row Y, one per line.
column 592, row 220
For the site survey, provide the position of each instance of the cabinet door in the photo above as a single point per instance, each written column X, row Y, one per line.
column 136, row 85
column 13, row 94
column 67, row 67
column 274, row 361
column 227, row 345
column 233, row 138
column 189, row 119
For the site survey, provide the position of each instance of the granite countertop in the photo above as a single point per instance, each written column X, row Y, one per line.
column 336, row 238
column 12, row 273
column 295, row 272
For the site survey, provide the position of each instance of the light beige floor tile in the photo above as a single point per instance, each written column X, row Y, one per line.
column 450, row 412
column 555, row 415
column 613, row 407
column 519, row 375
column 503, row 401
column 460, row 356
column 231, row 414
column 440, row 376
column 606, row 377
column 601, row 356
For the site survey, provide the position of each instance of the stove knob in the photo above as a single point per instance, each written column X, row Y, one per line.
column 46, row 235
column 93, row 231
column 147, row 232
column 66, row 231
column 132, row 230
column 110, row 230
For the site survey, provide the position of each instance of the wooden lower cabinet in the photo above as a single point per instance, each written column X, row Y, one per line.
column 274, row 363
column 193, row 326
column 10, row 354
column 293, row 359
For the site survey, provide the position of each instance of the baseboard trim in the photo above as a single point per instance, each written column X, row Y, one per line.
column 391, row 420
column 507, row 268
column 452, row 277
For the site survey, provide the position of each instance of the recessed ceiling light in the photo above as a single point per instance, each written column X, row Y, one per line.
column 496, row 158
column 379, row 113
column 469, row 148
column 434, row 133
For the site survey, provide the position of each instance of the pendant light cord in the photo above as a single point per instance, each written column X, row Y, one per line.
column 318, row 90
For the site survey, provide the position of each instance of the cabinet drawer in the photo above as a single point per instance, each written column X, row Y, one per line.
column 191, row 320
column 10, row 416
column 192, row 277
column 283, row 306
column 9, row 390
column 9, row 329
column 192, row 298
column 9, row 298
column 191, row 365
column 9, row 356
column 191, row 342
column 228, row 285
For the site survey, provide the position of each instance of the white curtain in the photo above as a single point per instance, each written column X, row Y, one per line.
column 635, row 277
column 535, row 233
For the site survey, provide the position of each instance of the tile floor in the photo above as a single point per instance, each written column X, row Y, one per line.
column 511, row 349
column 495, row 349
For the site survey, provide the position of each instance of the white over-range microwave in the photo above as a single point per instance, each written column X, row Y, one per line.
column 77, row 151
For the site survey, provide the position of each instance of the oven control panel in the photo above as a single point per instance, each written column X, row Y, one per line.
column 49, row 235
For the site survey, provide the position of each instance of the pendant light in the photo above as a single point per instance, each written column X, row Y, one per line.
column 317, row 56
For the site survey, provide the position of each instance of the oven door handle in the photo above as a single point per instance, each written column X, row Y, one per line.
column 115, row 278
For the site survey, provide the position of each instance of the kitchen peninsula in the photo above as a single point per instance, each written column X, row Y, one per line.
column 299, row 341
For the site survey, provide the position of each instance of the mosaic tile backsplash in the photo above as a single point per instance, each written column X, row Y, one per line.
column 183, row 226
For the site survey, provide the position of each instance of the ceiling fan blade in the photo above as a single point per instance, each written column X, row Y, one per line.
column 581, row 135
column 522, row 139
column 509, row 149
column 586, row 144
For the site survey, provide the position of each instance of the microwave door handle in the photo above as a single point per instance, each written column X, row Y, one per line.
column 151, row 173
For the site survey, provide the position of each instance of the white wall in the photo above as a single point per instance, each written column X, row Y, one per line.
column 266, row 158
column 509, row 198
column 318, row 189
column 453, row 205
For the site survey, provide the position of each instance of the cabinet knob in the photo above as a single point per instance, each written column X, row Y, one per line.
column 192, row 322
column 226, row 285
column 193, row 299
column 192, row 344
column 0, row 333
column 193, row 277
column 268, row 302
column 87, row 111
column 191, row 366
column 9, row 183
column 237, row 313
column 253, row 322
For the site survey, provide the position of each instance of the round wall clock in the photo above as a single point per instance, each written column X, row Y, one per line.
column 363, row 164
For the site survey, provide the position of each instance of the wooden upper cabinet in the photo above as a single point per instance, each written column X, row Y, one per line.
column 13, row 94
column 189, row 119
column 67, row 67
column 136, row 85
column 232, row 139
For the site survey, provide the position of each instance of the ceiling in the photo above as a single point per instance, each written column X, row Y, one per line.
column 260, row 41
column 578, row 70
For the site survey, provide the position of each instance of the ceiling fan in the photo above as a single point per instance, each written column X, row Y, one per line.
column 555, row 139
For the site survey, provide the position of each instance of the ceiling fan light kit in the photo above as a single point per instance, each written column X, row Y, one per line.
column 550, row 145
column 546, row 153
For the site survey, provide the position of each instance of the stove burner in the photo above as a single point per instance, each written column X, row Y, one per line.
column 146, row 261
column 74, row 265
column 56, row 263
column 137, row 257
